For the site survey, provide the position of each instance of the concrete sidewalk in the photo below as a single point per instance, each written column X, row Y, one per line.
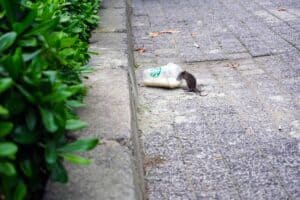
column 242, row 140
column 110, row 112
column 239, row 142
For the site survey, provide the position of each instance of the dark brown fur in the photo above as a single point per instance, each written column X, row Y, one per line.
column 190, row 81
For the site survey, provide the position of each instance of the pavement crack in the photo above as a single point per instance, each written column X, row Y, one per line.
column 228, row 60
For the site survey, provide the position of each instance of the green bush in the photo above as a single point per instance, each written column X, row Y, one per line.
column 43, row 53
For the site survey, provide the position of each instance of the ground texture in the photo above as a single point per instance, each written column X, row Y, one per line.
column 242, row 140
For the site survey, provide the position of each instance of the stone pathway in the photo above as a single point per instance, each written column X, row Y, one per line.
column 242, row 140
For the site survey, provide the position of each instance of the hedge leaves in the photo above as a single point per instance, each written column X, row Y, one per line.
column 43, row 53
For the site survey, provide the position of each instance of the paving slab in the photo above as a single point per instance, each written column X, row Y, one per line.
column 241, row 141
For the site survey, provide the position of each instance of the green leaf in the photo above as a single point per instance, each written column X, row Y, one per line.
column 86, row 69
column 77, row 30
column 30, row 120
column 17, row 64
column 2, row 14
column 64, row 18
column 74, row 124
column 2, row 71
column 7, row 40
column 26, row 167
column 75, row 159
column 75, row 104
column 15, row 103
column 27, row 94
column 23, row 136
column 10, row 9
column 59, row 173
column 5, row 128
column 67, row 52
column 19, row 27
column 5, row 83
column 35, row 68
column 30, row 42
column 76, row 88
column 30, row 56
column 93, row 52
column 52, row 75
column 67, row 42
column 20, row 192
column 7, row 168
column 50, row 152
column 7, row 149
column 3, row 112
column 79, row 146
column 58, row 96
column 48, row 120
column 44, row 27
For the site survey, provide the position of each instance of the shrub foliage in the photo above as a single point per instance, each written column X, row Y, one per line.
column 43, row 53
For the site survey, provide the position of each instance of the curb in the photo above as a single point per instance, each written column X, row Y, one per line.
column 138, row 152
